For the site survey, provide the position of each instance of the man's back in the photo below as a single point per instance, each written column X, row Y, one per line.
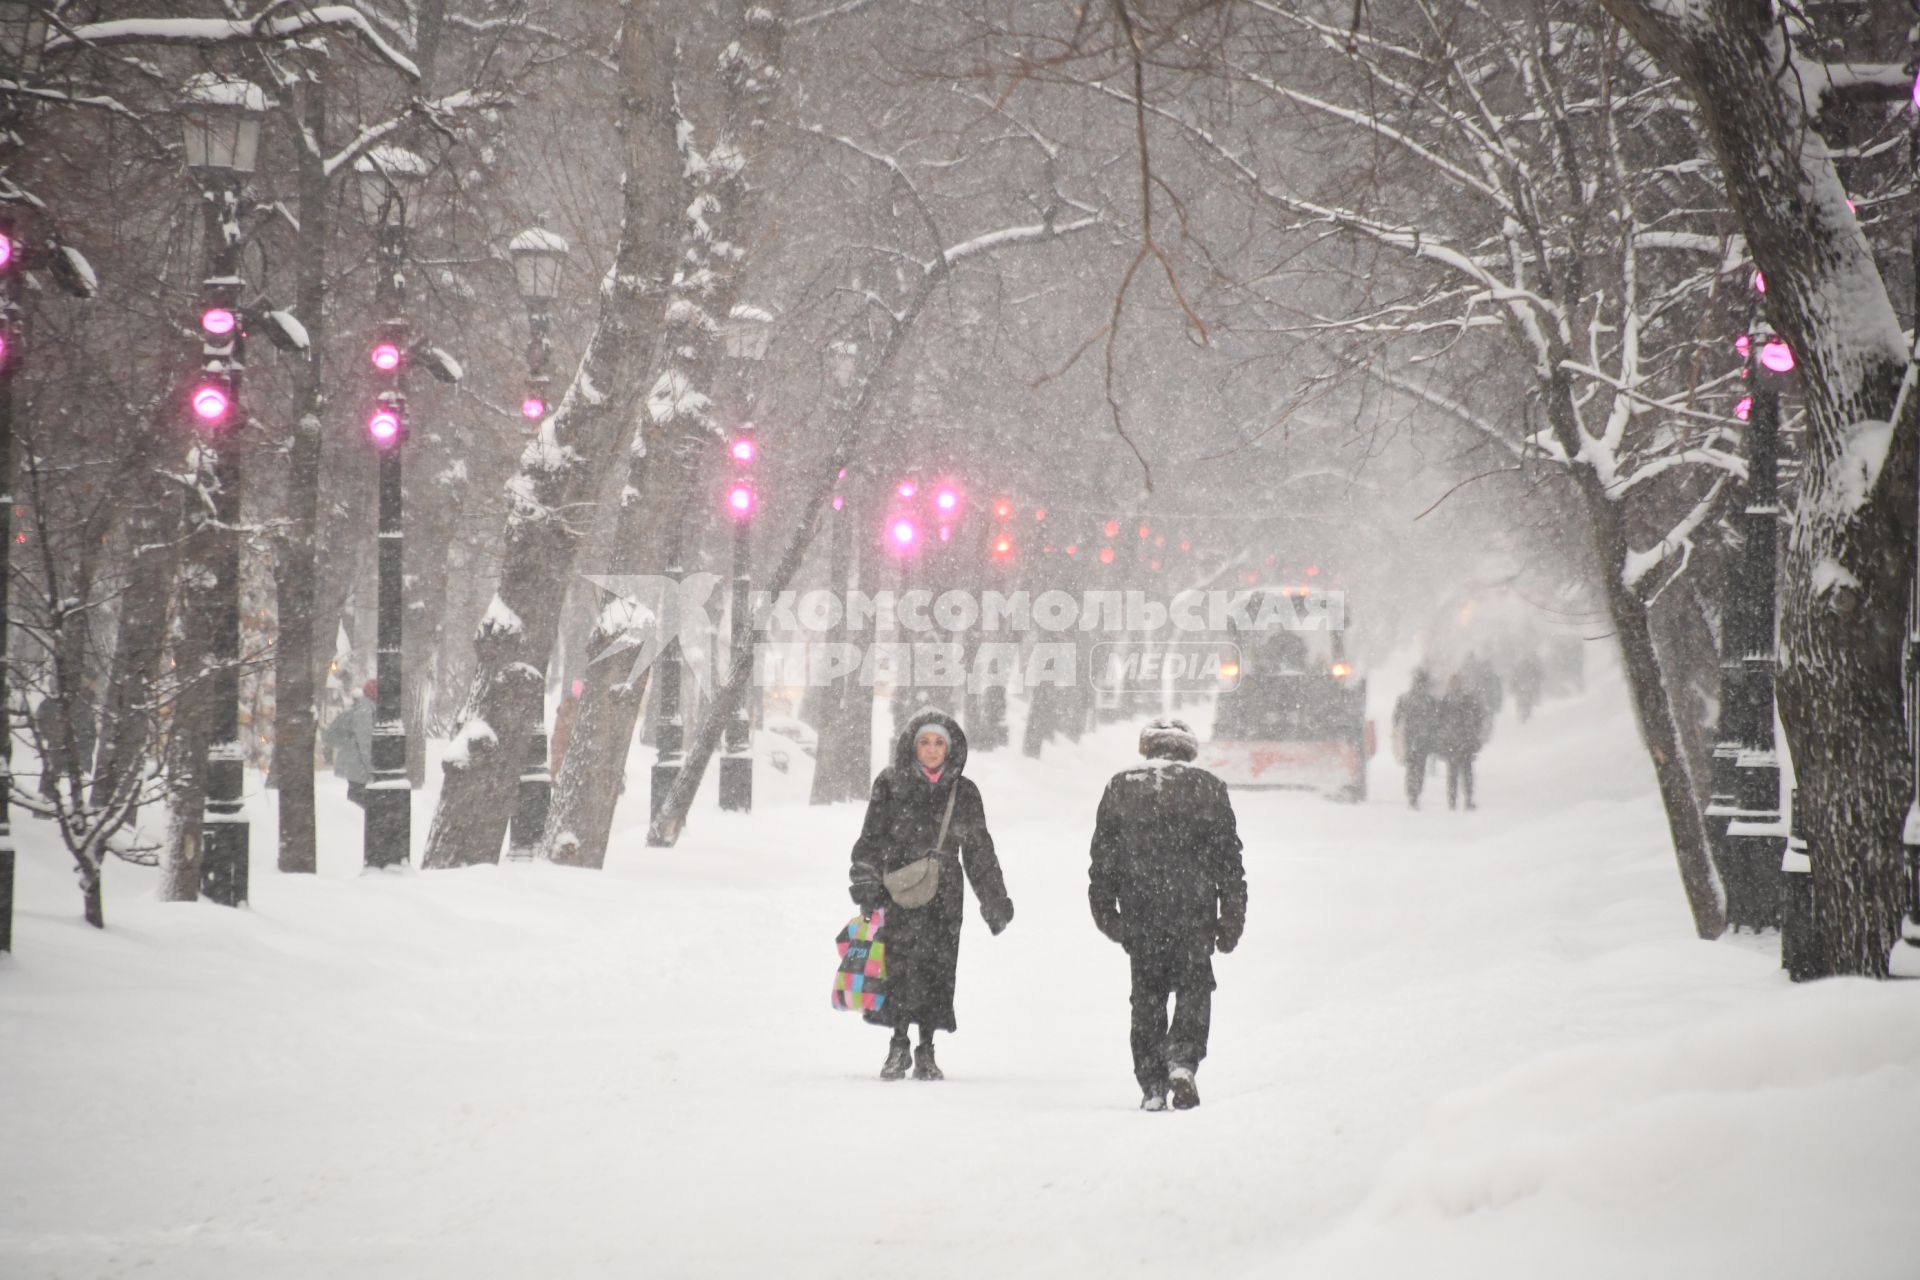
column 1166, row 850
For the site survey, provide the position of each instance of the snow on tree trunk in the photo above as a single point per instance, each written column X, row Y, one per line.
column 1850, row 551
column 719, row 204
column 561, row 468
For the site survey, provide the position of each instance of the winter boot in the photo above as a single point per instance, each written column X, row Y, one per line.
column 924, row 1067
column 1186, row 1095
column 899, row 1058
column 1153, row 1100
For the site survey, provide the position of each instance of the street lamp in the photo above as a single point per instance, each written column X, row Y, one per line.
column 389, row 178
column 220, row 129
column 1743, row 810
column 746, row 336
column 538, row 256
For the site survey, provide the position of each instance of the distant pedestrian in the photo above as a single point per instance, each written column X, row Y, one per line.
column 350, row 738
column 1415, row 718
column 563, row 726
column 58, row 757
column 1462, row 732
column 1167, row 884
column 1528, row 678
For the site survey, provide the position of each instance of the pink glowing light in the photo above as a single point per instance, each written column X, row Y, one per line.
column 1744, row 409
column 946, row 534
column 385, row 357
column 210, row 403
column 742, row 450
column 1106, row 555
column 1741, row 345
column 533, row 408
column 740, row 500
column 6, row 250
column 384, row 426
column 1759, row 282
column 946, row 500
column 218, row 321
column 1777, row 356
column 907, row 489
column 838, row 502
column 904, row 533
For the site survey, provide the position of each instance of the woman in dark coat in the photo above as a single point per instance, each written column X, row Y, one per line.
column 923, row 943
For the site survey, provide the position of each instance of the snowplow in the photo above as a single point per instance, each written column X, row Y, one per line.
column 1293, row 714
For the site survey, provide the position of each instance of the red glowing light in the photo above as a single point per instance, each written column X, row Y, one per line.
column 1313, row 571
column 1072, row 550
column 1777, row 356
column 1144, row 531
column 1160, row 540
column 384, row 425
column 1002, row 509
column 1003, row 545
column 1155, row 566
column 1253, row 577
column 1040, row 513
column 1744, row 409
column 1106, row 555
column 742, row 450
column 1186, row 546
column 1113, row 528
column 533, row 408
column 218, row 321
column 386, row 357
column 210, row 403
column 740, row 500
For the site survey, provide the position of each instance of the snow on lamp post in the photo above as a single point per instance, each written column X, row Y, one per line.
column 220, row 130
column 538, row 257
column 389, row 178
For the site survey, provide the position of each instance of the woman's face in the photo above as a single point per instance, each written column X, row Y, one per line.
column 932, row 750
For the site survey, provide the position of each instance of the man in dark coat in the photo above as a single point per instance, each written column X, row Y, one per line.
column 1167, row 884
column 903, row 825
column 1415, row 717
column 1461, row 732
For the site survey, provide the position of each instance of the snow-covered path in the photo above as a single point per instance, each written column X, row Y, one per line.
column 1473, row 1044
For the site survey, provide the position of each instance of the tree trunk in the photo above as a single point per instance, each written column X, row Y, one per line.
column 294, row 708
column 1851, row 552
column 562, row 467
column 128, row 726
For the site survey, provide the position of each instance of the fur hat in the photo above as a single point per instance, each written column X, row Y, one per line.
column 1166, row 739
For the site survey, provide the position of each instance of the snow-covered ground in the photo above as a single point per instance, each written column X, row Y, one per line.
column 1478, row 1045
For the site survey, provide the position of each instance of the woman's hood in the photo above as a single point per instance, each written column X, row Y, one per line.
column 903, row 758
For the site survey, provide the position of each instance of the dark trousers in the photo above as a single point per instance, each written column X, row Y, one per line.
column 1182, row 971
column 1416, row 774
column 357, row 792
column 1460, row 779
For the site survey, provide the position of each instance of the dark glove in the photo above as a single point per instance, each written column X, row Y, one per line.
column 1225, row 939
column 998, row 915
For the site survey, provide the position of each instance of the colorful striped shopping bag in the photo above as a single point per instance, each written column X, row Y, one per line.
column 861, row 984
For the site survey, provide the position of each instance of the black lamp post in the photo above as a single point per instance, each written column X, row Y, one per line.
column 388, row 177
column 1744, row 811
column 746, row 336
column 538, row 256
column 23, row 35
column 220, row 118
column 1905, row 960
